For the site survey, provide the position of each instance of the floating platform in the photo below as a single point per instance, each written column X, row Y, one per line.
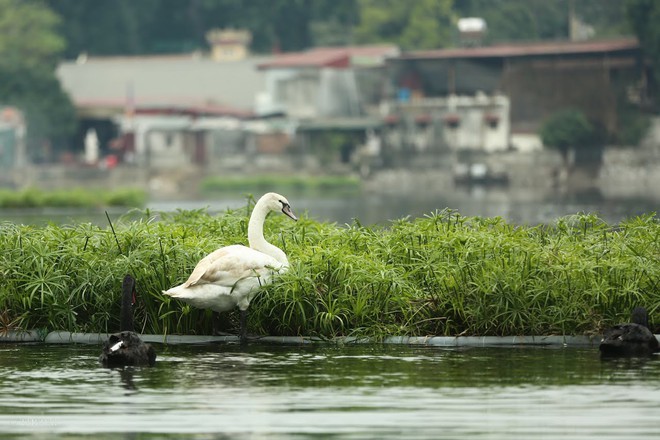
column 63, row 337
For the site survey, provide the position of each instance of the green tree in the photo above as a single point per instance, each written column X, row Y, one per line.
column 533, row 20
column 28, row 35
column 644, row 17
column 608, row 17
column 115, row 27
column 568, row 130
column 29, row 49
column 421, row 24
column 112, row 27
column 333, row 22
column 519, row 20
column 49, row 111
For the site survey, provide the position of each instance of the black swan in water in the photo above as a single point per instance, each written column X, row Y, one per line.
column 126, row 347
column 632, row 339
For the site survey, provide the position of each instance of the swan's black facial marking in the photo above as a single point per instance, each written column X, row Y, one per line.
column 286, row 210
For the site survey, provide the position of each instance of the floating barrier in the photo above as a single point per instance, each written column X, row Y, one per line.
column 63, row 337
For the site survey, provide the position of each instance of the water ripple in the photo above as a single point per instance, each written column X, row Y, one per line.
column 350, row 392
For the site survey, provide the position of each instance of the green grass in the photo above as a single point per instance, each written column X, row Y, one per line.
column 443, row 274
column 72, row 198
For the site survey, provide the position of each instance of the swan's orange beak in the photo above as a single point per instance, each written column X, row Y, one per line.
column 286, row 209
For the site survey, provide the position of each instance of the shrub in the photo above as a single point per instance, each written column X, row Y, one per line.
column 443, row 274
column 568, row 129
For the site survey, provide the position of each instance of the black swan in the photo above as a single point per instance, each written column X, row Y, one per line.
column 631, row 339
column 126, row 347
column 231, row 275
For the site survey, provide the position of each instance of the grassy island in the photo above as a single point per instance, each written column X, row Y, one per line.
column 443, row 274
column 72, row 198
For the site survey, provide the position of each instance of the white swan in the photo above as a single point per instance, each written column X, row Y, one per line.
column 231, row 275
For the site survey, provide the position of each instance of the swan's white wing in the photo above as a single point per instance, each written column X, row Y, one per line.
column 228, row 265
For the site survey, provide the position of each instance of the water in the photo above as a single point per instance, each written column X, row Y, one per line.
column 354, row 392
column 513, row 206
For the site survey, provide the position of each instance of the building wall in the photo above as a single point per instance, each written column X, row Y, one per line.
column 597, row 83
column 539, row 89
column 476, row 122
column 8, row 145
column 307, row 93
column 167, row 148
column 12, row 139
column 159, row 140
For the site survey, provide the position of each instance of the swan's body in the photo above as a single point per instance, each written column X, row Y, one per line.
column 630, row 339
column 126, row 347
column 230, row 276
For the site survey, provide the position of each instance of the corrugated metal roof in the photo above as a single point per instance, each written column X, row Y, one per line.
column 196, row 110
column 163, row 81
column 325, row 58
column 527, row 49
column 330, row 57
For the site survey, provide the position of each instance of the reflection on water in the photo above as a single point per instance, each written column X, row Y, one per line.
column 348, row 392
column 515, row 206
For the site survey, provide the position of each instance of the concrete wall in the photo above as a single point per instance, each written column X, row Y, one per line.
column 311, row 93
column 477, row 122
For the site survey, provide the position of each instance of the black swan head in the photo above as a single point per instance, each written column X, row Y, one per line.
column 630, row 339
column 126, row 347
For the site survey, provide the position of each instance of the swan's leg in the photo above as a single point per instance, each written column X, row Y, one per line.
column 243, row 334
column 215, row 323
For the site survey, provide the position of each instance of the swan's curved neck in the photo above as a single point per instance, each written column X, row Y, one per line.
column 256, row 235
column 640, row 316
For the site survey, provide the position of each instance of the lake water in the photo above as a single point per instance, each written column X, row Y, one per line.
column 353, row 392
column 514, row 206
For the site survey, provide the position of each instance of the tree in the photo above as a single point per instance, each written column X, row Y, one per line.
column 644, row 17
column 28, row 35
column 569, row 130
column 116, row 27
column 29, row 50
column 533, row 20
column 422, row 24
column 49, row 110
column 111, row 27
column 333, row 22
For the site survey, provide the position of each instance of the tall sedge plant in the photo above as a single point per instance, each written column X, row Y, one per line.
column 442, row 274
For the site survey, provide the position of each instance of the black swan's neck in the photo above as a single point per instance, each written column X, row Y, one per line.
column 640, row 316
column 126, row 317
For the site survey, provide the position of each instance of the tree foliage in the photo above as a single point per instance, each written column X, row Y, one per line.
column 29, row 49
column 109, row 27
column 422, row 24
column 532, row 20
column 568, row 129
column 28, row 35
column 644, row 17
column 162, row 26
column 37, row 92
